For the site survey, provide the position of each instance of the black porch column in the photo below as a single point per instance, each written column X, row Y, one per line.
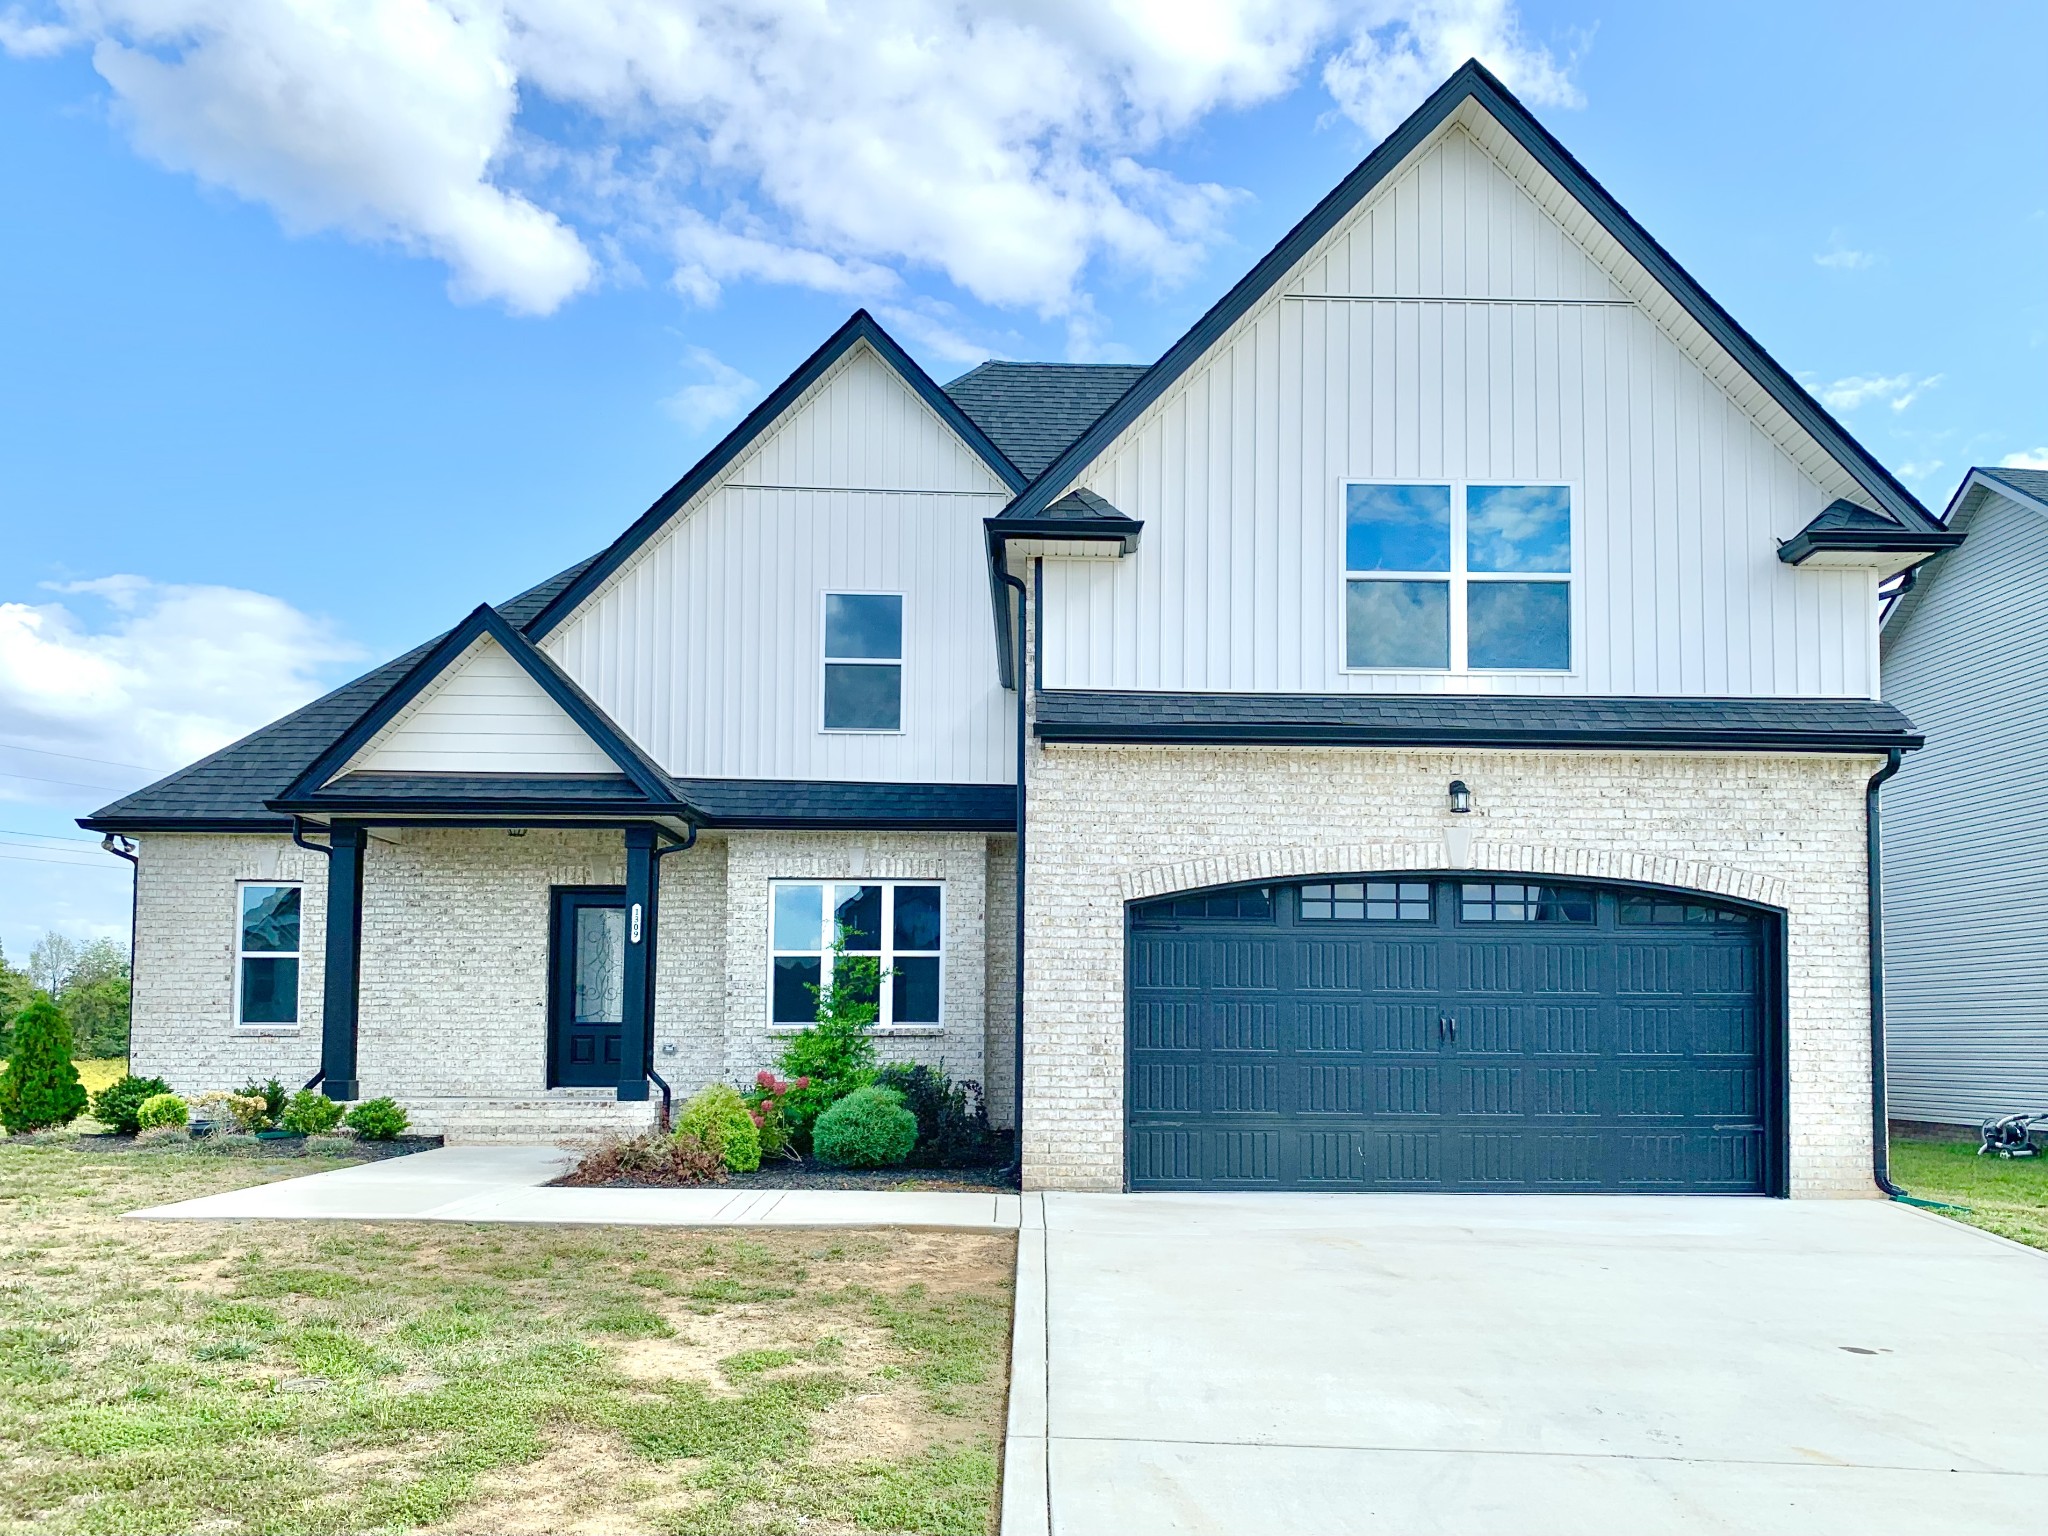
column 636, row 1038
column 341, row 984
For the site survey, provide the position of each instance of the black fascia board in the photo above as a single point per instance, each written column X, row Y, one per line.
column 1809, row 542
column 137, row 824
column 483, row 620
column 1473, row 80
column 861, row 326
column 1121, row 531
column 1107, row 729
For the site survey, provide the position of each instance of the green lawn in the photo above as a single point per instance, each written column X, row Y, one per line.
column 327, row 1377
column 2009, row 1197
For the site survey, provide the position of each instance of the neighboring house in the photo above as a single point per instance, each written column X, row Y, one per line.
column 1966, row 823
column 1450, row 688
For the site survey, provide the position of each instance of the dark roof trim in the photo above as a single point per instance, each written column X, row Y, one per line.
column 1808, row 542
column 2026, row 484
column 826, row 805
column 860, row 327
column 1473, row 80
column 1462, row 720
column 305, row 790
column 255, row 825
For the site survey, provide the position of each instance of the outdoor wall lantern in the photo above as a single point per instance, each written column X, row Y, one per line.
column 1461, row 798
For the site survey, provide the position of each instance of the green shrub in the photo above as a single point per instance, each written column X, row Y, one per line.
column 162, row 1110
column 869, row 1128
column 116, row 1105
column 40, row 1087
column 273, row 1096
column 378, row 1120
column 308, row 1113
column 835, row 1054
column 718, row 1117
column 952, row 1121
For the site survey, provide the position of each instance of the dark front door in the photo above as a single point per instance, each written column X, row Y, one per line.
column 1451, row 1034
column 586, row 986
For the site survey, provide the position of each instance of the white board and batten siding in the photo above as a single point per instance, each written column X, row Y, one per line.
column 1966, row 828
column 484, row 714
column 1451, row 329
column 706, row 649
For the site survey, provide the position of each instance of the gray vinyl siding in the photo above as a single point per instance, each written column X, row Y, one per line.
column 1966, row 829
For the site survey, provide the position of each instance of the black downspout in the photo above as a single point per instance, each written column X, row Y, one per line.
column 653, row 967
column 299, row 837
column 1017, row 676
column 119, row 851
column 1880, row 1111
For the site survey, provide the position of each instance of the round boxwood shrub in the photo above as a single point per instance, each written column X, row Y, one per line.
column 377, row 1120
column 869, row 1128
column 310, row 1114
column 719, row 1118
column 40, row 1087
column 160, row 1110
column 116, row 1105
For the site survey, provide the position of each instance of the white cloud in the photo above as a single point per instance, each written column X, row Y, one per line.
column 1404, row 51
column 132, row 678
column 833, row 146
column 25, row 39
column 1898, row 390
column 2026, row 458
column 714, row 401
column 1843, row 260
column 1920, row 469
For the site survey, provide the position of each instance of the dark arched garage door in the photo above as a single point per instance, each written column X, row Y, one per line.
column 1453, row 1034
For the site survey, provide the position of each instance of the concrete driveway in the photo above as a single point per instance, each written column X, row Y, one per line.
column 1408, row 1364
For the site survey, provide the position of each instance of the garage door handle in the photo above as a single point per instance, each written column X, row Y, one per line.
column 1445, row 1024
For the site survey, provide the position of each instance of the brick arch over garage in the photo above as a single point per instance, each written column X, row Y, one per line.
column 1310, row 859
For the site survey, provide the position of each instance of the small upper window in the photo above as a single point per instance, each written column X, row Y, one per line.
column 1505, row 903
column 267, row 955
column 1457, row 578
column 1646, row 910
column 863, row 661
column 1371, row 901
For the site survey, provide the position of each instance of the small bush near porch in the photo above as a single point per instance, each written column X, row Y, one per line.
column 325, row 1377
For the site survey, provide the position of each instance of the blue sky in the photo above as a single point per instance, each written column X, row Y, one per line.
column 296, row 377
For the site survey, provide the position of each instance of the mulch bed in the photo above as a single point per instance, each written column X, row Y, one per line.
column 283, row 1146
column 805, row 1173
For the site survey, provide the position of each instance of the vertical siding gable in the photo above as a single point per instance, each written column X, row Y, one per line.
column 484, row 714
column 1452, row 327
column 705, row 647
column 1965, row 856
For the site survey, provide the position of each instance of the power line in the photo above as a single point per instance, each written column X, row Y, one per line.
column 48, row 837
column 15, row 746
column 67, row 783
column 29, row 858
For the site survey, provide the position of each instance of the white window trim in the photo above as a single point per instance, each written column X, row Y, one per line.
column 882, row 1028
column 240, row 954
column 1459, row 579
column 901, row 664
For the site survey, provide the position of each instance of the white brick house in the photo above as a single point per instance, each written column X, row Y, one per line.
column 1444, row 686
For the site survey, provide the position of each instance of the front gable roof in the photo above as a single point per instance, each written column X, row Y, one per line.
column 315, row 785
column 860, row 328
column 1473, row 88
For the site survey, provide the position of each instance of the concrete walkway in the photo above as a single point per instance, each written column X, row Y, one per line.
column 505, row 1184
column 1412, row 1364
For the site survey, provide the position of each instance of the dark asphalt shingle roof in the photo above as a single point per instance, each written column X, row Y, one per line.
column 231, row 785
column 1033, row 410
column 2028, row 482
column 1846, row 514
column 1382, row 719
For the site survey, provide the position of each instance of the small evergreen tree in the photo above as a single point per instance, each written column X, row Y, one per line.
column 835, row 1055
column 14, row 991
column 40, row 1087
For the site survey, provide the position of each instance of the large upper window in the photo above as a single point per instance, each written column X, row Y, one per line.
column 1457, row 577
column 900, row 925
column 863, row 661
column 267, row 955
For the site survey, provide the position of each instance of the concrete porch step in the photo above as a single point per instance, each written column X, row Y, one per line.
column 563, row 1114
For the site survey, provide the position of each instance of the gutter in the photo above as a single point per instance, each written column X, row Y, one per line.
column 127, row 848
column 653, row 970
column 299, row 837
column 1017, row 675
column 1880, row 1110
